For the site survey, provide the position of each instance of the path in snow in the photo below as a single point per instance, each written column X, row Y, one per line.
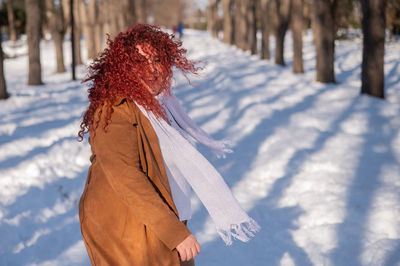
column 318, row 166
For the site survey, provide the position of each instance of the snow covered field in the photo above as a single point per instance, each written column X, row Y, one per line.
column 318, row 166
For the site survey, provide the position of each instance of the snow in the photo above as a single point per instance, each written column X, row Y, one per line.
column 317, row 165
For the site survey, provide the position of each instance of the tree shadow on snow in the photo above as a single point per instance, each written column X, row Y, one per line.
column 376, row 155
column 42, row 223
column 275, row 239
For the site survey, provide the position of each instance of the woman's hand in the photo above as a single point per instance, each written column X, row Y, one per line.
column 188, row 248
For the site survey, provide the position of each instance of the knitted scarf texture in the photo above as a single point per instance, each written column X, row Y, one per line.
column 188, row 170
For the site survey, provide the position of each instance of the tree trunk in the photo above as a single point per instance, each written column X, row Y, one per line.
column 215, row 17
column 142, row 12
column 58, row 42
column 106, row 19
column 86, row 16
column 245, row 26
column 33, row 22
column 324, row 35
column 209, row 17
column 11, row 21
column 77, row 27
column 265, row 28
column 130, row 13
column 3, row 85
column 100, row 29
column 55, row 21
column 393, row 17
column 343, row 11
column 114, row 14
column 228, row 21
column 99, row 37
column 373, row 25
column 252, row 26
column 297, row 29
column 77, row 33
column 121, row 15
column 241, row 25
column 282, row 9
column 237, row 21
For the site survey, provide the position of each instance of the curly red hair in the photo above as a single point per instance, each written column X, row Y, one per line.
column 118, row 70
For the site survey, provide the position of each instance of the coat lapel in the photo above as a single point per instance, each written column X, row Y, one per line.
column 152, row 160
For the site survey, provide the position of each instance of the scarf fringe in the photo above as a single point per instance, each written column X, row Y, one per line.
column 188, row 167
column 243, row 232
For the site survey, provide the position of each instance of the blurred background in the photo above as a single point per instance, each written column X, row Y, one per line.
column 308, row 91
column 245, row 24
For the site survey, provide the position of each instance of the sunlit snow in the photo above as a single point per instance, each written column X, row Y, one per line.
column 318, row 166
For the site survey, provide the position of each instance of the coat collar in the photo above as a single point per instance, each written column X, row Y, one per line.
column 152, row 155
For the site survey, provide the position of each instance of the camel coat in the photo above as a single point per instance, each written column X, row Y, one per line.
column 126, row 211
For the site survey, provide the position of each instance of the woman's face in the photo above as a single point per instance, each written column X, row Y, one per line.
column 153, row 80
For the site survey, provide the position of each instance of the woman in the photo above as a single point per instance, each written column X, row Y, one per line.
column 135, row 204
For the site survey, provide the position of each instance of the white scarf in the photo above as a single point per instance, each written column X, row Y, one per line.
column 186, row 166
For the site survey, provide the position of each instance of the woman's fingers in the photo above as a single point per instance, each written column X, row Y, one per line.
column 189, row 248
column 190, row 254
column 186, row 254
column 198, row 248
column 182, row 253
column 194, row 252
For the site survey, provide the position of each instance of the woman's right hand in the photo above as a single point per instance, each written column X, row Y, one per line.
column 188, row 248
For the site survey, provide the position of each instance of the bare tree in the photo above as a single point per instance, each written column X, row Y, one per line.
column 393, row 17
column 77, row 32
column 297, row 29
column 265, row 28
column 241, row 25
column 97, row 9
column 282, row 10
column 131, row 17
column 142, row 11
column 113, row 10
column 100, row 26
column 168, row 13
column 3, row 86
column 164, row 13
column 209, row 17
column 324, row 38
column 88, row 16
column 33, row 21
column 227, row 7
column 309, row 12
column 57, row 26
column 11, row 21
column 252, row 26
column 77, row 27
column 213, row 17
column 121, row 14
column 373, row 25
column 195, row 18
column 112, row 17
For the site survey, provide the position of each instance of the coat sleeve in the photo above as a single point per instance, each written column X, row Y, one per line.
column 117, row 153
